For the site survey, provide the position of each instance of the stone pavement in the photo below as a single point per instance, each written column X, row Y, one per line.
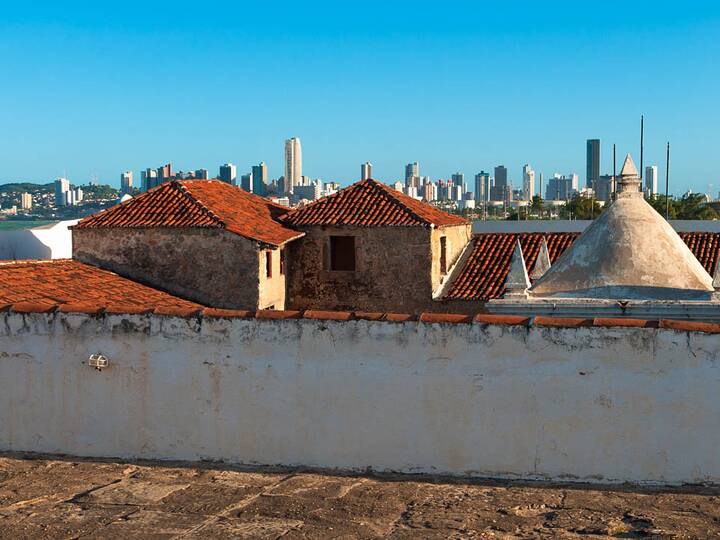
column 62, row 497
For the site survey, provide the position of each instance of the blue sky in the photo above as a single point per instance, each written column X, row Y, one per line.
column 96, row 89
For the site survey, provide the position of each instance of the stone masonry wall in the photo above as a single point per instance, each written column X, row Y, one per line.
column 392, row 271
column 209, row 266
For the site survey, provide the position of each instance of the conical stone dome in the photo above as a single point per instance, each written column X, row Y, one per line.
column 629, row 252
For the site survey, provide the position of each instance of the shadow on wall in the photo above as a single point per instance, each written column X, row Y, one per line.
column 46, row 242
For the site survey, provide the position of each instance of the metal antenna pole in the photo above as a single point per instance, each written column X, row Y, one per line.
column 642, row 148
column 667, row 183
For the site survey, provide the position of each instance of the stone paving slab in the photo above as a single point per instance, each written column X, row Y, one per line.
column 73, row 498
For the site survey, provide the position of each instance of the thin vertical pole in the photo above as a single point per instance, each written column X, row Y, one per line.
column 667, row 183
column 613, row 178
column 642, row 148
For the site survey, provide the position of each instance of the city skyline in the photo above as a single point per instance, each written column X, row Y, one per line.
column 96, row 71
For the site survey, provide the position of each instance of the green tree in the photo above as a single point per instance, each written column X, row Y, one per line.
column 580, row 207
column 537, row 205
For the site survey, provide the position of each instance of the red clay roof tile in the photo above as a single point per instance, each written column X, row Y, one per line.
column 202, row 204
column 369, row 203
column 483, row 276
column 70, row 283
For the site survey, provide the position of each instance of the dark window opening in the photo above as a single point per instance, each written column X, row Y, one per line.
column 443, row 255
column 268, row 263
column 282, row 261
column 342, row 253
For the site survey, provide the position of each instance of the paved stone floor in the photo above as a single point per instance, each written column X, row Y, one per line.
column 60, row 497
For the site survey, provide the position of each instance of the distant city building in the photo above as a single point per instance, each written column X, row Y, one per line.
column 482, row 187
column 228, row 173
column 501, row 191
column 561, row 188
column 605, row 188
column 366, row 170
column 126, row 182
column 311, row 191
column 540, row 185
column 592, row 173
column 293, row 164
column 651, row 180
column 62, row 186
column 202, row 174
column 260, row 179
column 149, row 179
column 246, row 182
column 26, row 201
column 528, row 185
column 165, row 172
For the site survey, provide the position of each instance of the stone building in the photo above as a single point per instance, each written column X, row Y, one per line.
column 371, row 248
column 206, row 241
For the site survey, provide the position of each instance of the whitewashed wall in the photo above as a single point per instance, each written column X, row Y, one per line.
column 53, row 241
column 597, row 404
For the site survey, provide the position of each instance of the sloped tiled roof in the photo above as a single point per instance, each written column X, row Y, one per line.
column 483, row 275
column 65, row 281
column 198, row 203
column 369, row 203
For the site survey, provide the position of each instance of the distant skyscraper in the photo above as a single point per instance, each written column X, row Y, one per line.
column 482, row 186
column 26, row 201
column 605, row 188
column 293, row 164
column 246, row 182
column 202, row 174
column 651, row 180
column 458, row 178
column 366, row 170
column 592, row 173
column 501, row 191
column 149, row 179
column 561, row 188
column 260, row 179
column 528, row 188
column 62, row 187
column 540, row 187
column 165, row 172
column 126, row 182
column 412, row 174
column 228, row 173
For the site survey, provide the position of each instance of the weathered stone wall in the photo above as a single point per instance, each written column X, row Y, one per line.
column 583, row 403
column 209, row 266
column 394, row 268
column 456, row 237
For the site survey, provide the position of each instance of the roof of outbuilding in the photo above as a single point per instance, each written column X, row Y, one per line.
column 369, row 203
column 69, row 282
column 483, row 275
column 198, row 204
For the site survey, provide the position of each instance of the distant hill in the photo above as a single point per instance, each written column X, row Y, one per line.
column 20, row 187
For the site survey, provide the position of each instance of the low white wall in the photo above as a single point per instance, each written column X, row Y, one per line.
column 53, row 241
column 595, row 404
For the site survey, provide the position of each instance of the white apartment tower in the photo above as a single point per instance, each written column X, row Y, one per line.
column 528, row 182
column 366, row 170
column 651, row 180
column 293, row 164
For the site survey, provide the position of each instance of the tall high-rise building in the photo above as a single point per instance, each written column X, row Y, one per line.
column 126, row 182
column 148, row 179
column 228, row 173
column 651, row 180
column 246, row 182
column 562, row 187
column 62, row 186
column 366, row 170
column 26, row 201
column 540, row 186
column 592, row 172
column 458, row 178
column 412, row 174
column 293, row 164
column 528, row 185
column 501, row 191
column 202, row 174
column 165, row 172
column 482, row 186
column 260, row 179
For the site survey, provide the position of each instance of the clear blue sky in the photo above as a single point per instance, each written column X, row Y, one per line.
column 456, row 86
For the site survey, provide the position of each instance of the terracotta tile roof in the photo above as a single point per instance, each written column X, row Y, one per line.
column 199, row 203
column 369, row 203
column 68, row 282
column 483, row 276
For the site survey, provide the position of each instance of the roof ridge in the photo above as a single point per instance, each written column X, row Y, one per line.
column 397, row 200
column 193, row 198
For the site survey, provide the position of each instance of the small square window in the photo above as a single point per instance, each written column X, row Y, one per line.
column 342, row 253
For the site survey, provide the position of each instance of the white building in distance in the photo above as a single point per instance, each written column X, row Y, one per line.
column 293, row 164
column 651, row 180
column 528, row 184
column 366, row 171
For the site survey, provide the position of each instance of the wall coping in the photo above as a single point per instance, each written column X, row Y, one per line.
column 345, row 316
